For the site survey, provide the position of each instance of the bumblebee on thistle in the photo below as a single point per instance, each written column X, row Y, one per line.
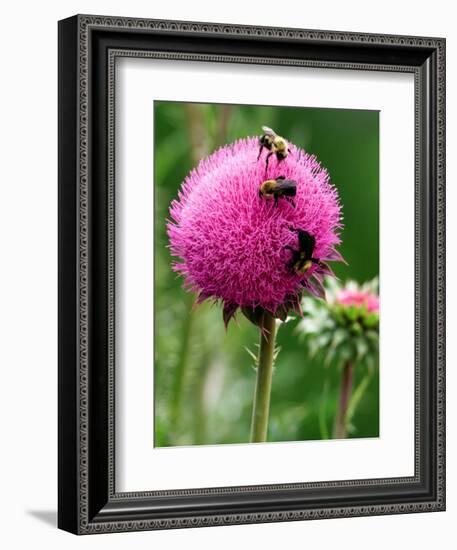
column 279, row 187
column 277, row 145
column 302, row 258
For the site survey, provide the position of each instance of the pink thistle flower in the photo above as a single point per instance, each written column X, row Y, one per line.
column 359, row 298
column 232, row 243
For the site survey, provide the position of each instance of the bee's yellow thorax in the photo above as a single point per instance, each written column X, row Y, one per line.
column 302, row 267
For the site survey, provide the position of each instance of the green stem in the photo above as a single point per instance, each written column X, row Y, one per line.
column 200, row 414
column 347, row 375
column 357, row 395
column 225, row 113
column 322, row 412
column 261, row 407
column 181, row 370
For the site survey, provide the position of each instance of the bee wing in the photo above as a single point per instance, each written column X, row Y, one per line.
column 306, row 243
column 282, row 183
column 268, row 131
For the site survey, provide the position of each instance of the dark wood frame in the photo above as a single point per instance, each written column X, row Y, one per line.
column 88, row 47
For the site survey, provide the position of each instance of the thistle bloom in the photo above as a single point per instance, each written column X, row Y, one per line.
column 231, row 242
column 346, row 327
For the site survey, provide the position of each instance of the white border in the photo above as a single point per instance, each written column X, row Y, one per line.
column 139, row 466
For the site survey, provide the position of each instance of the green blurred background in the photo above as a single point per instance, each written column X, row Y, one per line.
column 204, row 377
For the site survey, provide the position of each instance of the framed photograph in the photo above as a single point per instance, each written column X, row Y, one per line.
column 251, row 274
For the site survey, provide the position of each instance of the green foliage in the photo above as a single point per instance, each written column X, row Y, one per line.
column 211, row 403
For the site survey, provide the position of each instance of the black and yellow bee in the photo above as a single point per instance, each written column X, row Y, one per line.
column 277, row 145
column 279, row 187
column 302, row 258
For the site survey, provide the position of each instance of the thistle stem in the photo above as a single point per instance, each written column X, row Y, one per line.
column 181, row 370
column 340, row 431
column 261, row 407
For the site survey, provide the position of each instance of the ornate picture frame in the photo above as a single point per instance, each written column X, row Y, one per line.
column 88, row 49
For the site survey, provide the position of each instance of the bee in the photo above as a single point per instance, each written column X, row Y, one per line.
column 277, row 145
column 302, row 259
column 279, row 187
